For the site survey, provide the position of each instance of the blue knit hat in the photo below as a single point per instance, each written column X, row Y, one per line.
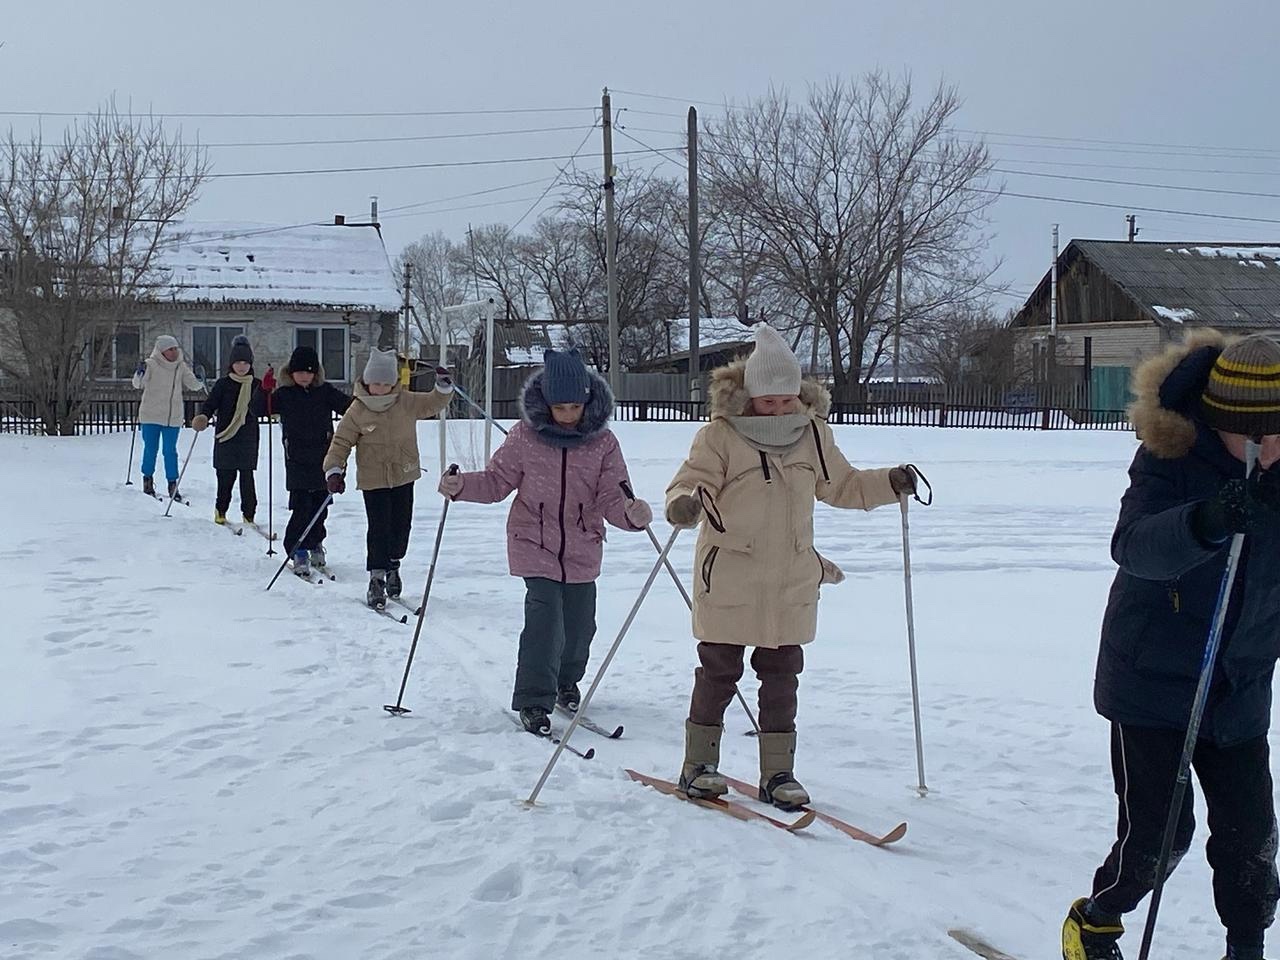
column 565, row 378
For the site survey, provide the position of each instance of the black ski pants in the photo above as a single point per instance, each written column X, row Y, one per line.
column 1236, row 781
column 303, row 505
column 389, row 512
column 248, row 492
column 559, row 624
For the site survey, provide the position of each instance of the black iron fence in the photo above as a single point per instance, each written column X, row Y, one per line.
column 1065, row 409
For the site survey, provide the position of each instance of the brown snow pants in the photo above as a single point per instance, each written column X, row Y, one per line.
column 721, row 668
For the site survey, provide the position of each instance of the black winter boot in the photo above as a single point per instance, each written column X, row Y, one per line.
column 394, row 586
column 569, row 697
column 377, row 595
column 149, row 486
column 536, row 721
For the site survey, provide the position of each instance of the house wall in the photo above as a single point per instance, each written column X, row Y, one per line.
column 1118, row 344
column 271, row 332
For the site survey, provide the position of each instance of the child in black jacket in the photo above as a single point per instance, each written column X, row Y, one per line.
column 235, row 404
column 306, row 404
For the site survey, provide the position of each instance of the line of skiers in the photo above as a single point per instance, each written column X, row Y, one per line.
column 750, row 481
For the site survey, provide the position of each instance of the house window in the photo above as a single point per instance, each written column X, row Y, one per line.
column 332, row 346
column 115, row 354
column 211, row 348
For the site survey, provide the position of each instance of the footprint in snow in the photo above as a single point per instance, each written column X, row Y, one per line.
column 506, row 884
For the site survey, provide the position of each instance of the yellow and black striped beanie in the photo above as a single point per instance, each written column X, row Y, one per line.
column 1243, row 392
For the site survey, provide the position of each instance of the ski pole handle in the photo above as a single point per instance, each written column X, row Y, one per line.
column 921, row 479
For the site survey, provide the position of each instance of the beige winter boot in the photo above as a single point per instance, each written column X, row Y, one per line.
column 699, row 777
column 778, row 784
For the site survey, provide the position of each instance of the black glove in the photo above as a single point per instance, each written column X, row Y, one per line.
column 444, row 380
column 1239, row 507
column 141, row 369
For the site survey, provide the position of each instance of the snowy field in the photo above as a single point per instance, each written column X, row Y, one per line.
column 194, row 768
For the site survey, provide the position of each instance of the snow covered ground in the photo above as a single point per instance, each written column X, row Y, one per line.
column 192, row 767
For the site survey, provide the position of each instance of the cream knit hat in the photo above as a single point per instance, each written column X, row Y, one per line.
column 772, row 369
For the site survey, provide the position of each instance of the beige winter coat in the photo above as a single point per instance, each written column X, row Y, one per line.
column 162, row 384
column 386, row 442
column 756, row 580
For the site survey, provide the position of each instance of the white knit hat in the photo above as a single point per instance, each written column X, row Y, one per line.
column 382, row 367
column 165, row 342
column 772, row 369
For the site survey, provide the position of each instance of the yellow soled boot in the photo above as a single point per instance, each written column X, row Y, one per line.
column 700, row 776
column 1085, row 938
column 778, row 784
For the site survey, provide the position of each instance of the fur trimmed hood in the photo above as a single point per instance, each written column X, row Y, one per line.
column 727, row 394
column 286, row 377
column 536, row 412
column 1167, row 388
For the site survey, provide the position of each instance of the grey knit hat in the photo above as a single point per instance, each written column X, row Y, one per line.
column 772, row 369
column 382, row 367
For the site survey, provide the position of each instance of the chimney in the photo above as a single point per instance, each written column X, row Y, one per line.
column 373, row 210
column 339, row 220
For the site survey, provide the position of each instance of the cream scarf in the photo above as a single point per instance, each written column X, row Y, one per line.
column 242, row 406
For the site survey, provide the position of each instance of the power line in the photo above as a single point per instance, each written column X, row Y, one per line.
column 463, row 196
column 371, row 114
column 1126, row 143
column 554, row 181
column 436, row 165
column 1055, row 163
column 411, row 139
column 469, row 206
column 1027, row 196
column 1258, row 152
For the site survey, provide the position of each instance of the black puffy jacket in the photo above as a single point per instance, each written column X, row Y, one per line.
column 1163, row 599
column 306, row 427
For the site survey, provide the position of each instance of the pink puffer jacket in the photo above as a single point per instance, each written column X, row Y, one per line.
column 567, row 483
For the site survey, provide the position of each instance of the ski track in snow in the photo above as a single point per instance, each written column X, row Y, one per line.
column 194, row 767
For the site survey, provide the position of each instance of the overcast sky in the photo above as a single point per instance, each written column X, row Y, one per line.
column 1188, row 86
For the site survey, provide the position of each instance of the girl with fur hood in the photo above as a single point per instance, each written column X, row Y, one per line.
column 381, row 425
column 162, row 377
column 306, row 404
column 1196, row 406
column 567, row 471
column 755, row 471
column 236, row 403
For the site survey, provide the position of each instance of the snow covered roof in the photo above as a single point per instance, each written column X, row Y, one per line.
column 321, row 265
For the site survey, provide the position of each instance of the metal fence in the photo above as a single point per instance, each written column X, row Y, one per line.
column 1065, row 409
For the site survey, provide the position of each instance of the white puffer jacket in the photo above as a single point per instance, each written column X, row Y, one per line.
column 162, row 384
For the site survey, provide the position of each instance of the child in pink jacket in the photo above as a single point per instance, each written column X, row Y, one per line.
column 567, row 470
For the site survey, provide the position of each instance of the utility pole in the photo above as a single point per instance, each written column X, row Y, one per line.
column 1133, row 227
column 695, row 267
column 408, row 338
column 610, row 242
column 897, row 310
column 1052, row 359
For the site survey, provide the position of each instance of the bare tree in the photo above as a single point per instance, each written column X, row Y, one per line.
column 82, row 221
column 434, row 281
column 492, row 259
column 973, row 346
column 819, row 185
column 652, row 262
